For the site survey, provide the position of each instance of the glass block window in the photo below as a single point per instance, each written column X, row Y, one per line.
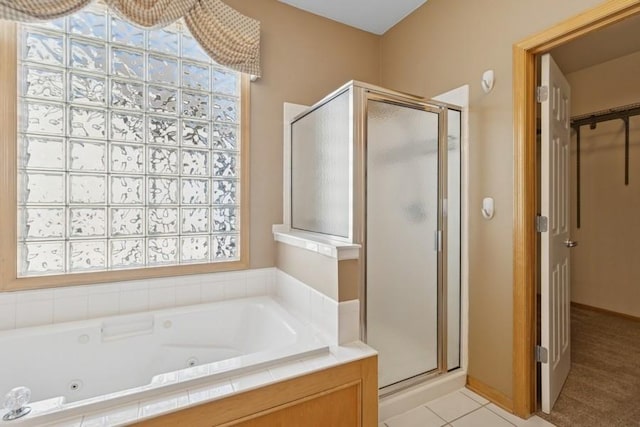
column 129, row 148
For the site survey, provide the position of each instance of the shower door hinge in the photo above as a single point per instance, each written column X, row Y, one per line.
column 542, row 93
column 437, row 241
column 542, row 354
column 542, row 224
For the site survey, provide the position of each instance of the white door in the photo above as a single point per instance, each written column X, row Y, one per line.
column 555, row 242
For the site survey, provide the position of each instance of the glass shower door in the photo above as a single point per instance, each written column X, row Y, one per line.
column 401, row 225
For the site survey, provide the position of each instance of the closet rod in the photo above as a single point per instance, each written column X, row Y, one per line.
column 619, row 113
column 605, row 115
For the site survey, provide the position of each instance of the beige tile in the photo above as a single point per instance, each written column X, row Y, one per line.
column 34, row 313
column 481, row 418
column 67, row 309
column 209, row 392
column 250, row 381
column 475, row 396
column 417, row 417
column 162, row 297
column 453, row 405
column 531, row 422
column 187, row 294
column 113, row 416
column 70, row 422
column 212, row 291
column 319, row 362
column 163, row 404
column 134, row 301
column 288, row 370
column 504, row 414
column 107, row 304
column 7, row 316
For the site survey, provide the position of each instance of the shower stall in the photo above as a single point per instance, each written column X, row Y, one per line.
column 382, row 169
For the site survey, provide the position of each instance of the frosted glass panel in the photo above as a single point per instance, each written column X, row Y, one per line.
column 320, row 147
column 453, row 240
column 402, row 217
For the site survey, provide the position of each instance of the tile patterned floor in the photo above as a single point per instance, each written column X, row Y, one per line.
column 462, row 408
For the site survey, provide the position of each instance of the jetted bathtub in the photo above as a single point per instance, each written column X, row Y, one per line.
column 73, row 364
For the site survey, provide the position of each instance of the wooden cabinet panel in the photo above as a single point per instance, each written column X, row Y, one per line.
column 340, row 396
column 336, row 408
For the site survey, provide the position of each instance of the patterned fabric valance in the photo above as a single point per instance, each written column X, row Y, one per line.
column 230, row 38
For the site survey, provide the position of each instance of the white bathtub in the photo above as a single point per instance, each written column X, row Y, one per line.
column 80, row 363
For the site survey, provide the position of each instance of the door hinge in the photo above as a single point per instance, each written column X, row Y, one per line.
column 542, row 224
column 542, row 354
column 542, row 93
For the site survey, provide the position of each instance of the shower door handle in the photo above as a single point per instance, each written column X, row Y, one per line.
column 437, row 240
column 570, row 243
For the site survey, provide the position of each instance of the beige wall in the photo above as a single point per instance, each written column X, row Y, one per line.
column 445, row 44
column 339, row 280
column 604, row 268
column 304, row 57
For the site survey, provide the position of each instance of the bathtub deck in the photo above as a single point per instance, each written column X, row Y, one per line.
column 154, row 405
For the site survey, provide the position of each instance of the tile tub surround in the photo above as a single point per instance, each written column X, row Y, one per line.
column 22, row 309
column 338, row 321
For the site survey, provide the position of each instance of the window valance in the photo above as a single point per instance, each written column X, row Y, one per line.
column 229, row 37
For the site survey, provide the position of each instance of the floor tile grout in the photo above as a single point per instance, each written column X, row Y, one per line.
column 494, row 412
column 436, row 414
column 477, row 409
column 462, row 416
column 447, row 423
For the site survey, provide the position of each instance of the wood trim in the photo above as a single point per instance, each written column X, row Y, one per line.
column 369, row 374
column 526, row 179
column 245, row 162
column 608, row 13
column 8, row 155
column 264, row 400
column 490, row 393
column 605, row 311
column 9, row 280
column 524, row 239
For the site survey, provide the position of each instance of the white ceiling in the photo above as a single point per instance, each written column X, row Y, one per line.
column 603, row 45
column 374, row 16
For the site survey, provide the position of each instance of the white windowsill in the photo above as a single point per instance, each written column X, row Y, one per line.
column 315, row 243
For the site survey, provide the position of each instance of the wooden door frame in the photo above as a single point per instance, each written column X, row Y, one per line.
column 525, row 265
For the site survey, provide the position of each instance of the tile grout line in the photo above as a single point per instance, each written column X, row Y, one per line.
column 477, row 409
column 450, row 423
column 464, row 415
column 494, row 412
column 446, row 423
column 486, row 405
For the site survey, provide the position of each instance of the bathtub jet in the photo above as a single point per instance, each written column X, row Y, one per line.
column 82, row 363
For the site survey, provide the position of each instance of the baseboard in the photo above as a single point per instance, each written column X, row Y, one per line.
column 605, row 311
column 490, row 393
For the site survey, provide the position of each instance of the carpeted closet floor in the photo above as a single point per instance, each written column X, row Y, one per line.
column 603, row 387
